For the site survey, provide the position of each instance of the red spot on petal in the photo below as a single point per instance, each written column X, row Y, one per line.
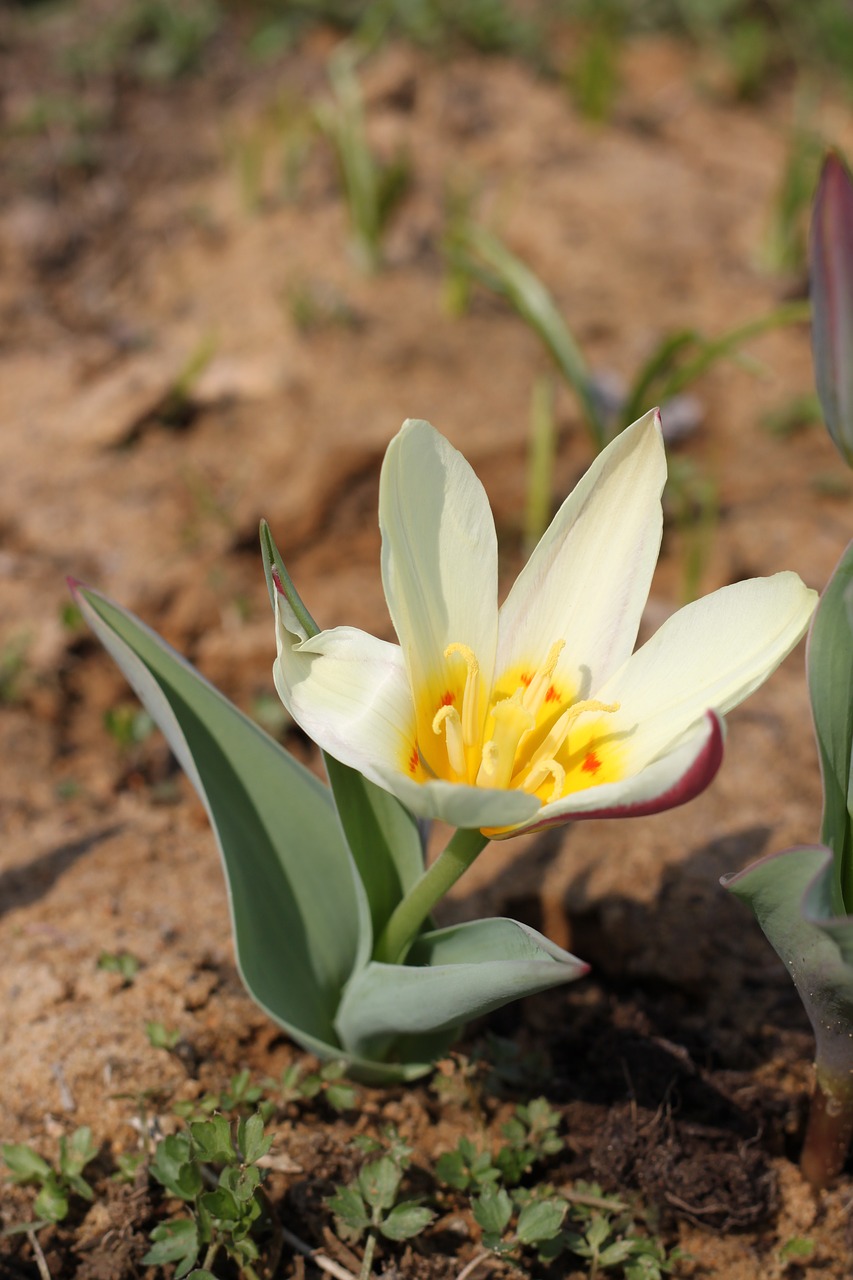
column 591, row 764
column 525, row 678
column 552, row 695
column 414, row 761
column 277, row 580
column 448, row 699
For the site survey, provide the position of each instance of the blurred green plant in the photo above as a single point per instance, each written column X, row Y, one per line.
column 785, row 245
column 128, row 724
column 120, row 962
column 155, row 40
column 372, row 189
column 592, row 75
column 57, row 1184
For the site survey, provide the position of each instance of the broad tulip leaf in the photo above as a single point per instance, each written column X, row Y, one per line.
column 297, row 907
column 831, row 287
column 793, row 897
column 450, row 975
column 830, row 674
column 384, row 837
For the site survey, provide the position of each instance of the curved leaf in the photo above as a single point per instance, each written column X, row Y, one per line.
column 793, row 894
column 829, row 664
column 450, row 975
column 297, row 907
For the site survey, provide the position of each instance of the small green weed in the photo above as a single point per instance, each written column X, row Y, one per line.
column 368, row 1204
column 530, row 1136
column 162, row 1037
column 56, row 1184
column 240, row 1096
column 121, row 962
column 328, row 1083
column 582, row 1223
column 231, row 1215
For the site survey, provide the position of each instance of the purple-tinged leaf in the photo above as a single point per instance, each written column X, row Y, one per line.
column 831, row 281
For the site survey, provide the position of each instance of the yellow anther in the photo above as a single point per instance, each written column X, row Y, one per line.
column 447, row 718
column 471, row 697
column 489, row 765
column 534, row 694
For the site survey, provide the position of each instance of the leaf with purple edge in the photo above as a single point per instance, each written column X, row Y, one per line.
column 831, row 284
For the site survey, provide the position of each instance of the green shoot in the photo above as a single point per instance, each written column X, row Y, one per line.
column 128, row 724
column 161, row 1037
column 540, row 462
column 121, row 962
column 484, row 258
column 372, row 190
column 785, row 247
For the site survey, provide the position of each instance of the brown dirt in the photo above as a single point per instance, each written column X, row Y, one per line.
column 681, row 1066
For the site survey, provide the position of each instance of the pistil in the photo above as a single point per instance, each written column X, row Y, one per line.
column 512, row 720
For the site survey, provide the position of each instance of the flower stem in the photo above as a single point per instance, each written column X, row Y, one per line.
column 828, row 1133
column 409, row 915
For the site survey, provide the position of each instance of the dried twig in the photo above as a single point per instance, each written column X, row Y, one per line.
column 471, row 1267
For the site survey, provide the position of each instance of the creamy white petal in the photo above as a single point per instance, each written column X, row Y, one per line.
column 710, row 655
column 350, row 693
column 439, row 554
column 587, row 581
column 667, row 782
column 459, row 805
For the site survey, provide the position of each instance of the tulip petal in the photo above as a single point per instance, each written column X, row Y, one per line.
column 439, row 556
column 710, row 655
column 588, row 579
column 349, row 692
column 459, row 805
column 666, row 783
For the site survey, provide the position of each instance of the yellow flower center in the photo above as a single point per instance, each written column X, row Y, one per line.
column 529, row 732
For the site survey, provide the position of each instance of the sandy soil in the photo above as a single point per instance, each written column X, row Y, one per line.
column 682, row 1065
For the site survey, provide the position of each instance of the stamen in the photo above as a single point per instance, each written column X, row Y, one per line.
column 449, row 717
column 470, row 698
column 558, row 735
column 512, row 720
column 537, row 776
column 539, row 686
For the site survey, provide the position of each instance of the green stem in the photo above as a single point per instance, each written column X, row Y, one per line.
column 367, row 1260
column 829, row 1131
column 409, row 915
